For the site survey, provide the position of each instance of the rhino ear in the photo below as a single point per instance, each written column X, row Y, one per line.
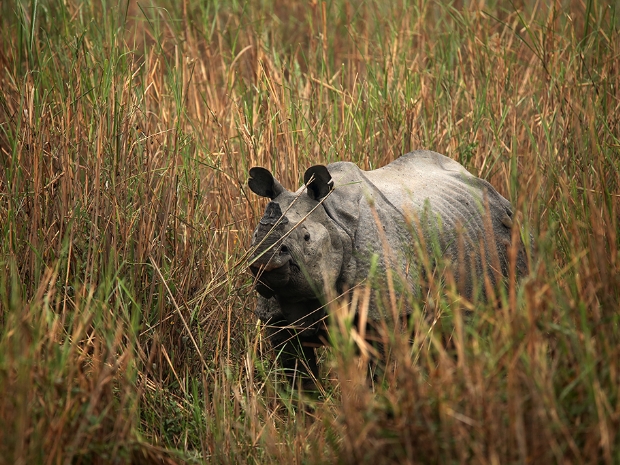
column 263, row 183
column 318, row 181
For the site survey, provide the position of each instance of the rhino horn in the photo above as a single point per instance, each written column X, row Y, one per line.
column 273, row 215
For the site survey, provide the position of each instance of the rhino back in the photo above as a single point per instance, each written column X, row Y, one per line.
column 427, row 190
column 419, row 177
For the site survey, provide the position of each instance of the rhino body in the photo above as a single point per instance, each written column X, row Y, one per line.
column 323, row 239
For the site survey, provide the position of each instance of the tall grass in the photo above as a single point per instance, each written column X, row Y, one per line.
column 126, row 134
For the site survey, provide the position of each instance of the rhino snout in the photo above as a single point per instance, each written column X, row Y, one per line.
column 270, row 278
column 273, row 270
column 271, row 260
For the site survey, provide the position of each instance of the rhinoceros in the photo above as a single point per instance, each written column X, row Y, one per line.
column 327, row 237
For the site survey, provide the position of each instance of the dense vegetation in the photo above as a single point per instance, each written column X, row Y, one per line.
column 126, row 133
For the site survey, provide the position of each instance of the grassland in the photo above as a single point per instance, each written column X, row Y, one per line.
column 126, row 134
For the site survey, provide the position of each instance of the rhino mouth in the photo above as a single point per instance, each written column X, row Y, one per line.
column 270, row 280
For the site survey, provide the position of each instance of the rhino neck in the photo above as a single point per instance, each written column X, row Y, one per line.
column 308, row 317
column 347, row 275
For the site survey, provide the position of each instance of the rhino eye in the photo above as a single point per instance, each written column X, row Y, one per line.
column 307, row 237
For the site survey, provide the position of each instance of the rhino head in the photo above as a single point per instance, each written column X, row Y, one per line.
column 298, row 249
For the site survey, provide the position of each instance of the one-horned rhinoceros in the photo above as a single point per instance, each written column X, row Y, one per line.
column 323, row 240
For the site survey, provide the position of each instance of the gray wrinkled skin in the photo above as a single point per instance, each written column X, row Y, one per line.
column 318, row 242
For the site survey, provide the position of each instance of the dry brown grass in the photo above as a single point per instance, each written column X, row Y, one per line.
column 126, row 135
